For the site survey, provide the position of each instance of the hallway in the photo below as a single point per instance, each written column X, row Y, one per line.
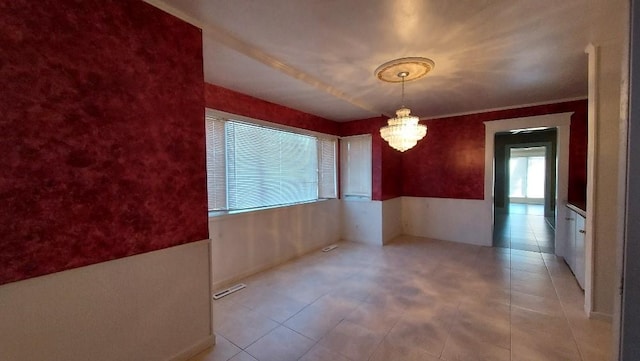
column 524, row 228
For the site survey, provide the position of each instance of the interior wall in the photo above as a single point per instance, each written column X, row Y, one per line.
column 386, row 162
column 608, row 27
column 458, row 169
column 227, row 100
column 447, row 219
column 245, row 243
column 102, row 135
column 154, row 306
column 578, row 157
column 102, row 160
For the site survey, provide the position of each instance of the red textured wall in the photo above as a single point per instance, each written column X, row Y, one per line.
column 226, row 100
column 449, row 161
column 578, row 156
column 386, row 163
column 102, row 134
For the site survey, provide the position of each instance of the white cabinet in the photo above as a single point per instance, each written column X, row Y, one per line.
column 575, row 251
column 579, row 269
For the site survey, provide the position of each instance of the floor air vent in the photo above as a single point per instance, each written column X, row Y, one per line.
column 228, row 291
column 329, row 248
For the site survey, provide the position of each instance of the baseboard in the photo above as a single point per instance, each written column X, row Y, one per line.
column 217, row 285
column 195, row 349
column 600, row 316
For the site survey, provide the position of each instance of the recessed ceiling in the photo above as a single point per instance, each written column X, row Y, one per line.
column 319, row 56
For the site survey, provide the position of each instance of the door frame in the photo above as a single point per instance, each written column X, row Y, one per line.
column 560, row 121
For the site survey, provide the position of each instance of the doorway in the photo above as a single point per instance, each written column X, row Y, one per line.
column 525, row 190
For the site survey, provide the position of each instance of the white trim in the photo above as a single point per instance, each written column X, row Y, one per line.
column 601, row 316
column 561, row 121
column 593, row 53
column 480, row 111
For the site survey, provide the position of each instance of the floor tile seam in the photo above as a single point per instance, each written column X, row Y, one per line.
column 564, row 314
column 238, row 347
column 265, row 335
column 450, row 329
column 566, row 318
column 328, row 332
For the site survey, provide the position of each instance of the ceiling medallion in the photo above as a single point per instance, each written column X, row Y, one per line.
column 416, row 67
column 403, row 132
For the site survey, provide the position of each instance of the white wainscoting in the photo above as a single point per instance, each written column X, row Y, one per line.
column 374, row 222
column 362, row 221
column 391, row 219
column 245, row 243
column 458, row 220
column 152, row 306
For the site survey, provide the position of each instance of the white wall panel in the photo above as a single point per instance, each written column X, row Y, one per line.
column 246, row 243
column 458, row 220
column 151, row 306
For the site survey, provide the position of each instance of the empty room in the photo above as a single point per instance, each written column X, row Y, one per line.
column 280, row 180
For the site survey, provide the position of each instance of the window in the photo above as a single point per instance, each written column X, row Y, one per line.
column 253, row 166
column 527, row 173
column 356, row 166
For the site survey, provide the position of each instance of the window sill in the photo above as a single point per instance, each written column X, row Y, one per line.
column 224, row 214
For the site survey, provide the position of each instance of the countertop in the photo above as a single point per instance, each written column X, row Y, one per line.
column 578, row 207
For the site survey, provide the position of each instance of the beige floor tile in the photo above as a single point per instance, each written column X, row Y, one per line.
column 534, row 347
column 486, row 323
column 320, row 317
column 223, row 350
column 536, row 288
column 244, row 328
column 352, row 340
column 546, row 305
column 595, row 352
column 243, row 356
column 568, row 290
column 281, row 344
column 413, row 299
column 426, row 329
column 388, row 351
column 539, row 325
column 461, row 346
column 321, row 353
column 278, row 307
column 374, row 317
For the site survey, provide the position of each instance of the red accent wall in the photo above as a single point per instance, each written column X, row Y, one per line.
column 449, row 161
column 226, row 100
column 102, row 134
column 578, row 156
column 386, row 163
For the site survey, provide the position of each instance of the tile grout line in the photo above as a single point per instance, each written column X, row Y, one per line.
column 564, row 312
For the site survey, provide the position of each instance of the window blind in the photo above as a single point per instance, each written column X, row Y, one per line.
column 267, row 167
column 252, row 166
column 216, row 177
column 327, row 168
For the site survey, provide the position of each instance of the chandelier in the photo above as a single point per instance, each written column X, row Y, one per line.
column 403, row 131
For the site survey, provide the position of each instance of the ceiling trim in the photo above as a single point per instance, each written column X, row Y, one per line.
column 563, row 100
column 223, row 36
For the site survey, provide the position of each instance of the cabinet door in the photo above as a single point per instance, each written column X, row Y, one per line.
column 579, row 250
column 570, row 254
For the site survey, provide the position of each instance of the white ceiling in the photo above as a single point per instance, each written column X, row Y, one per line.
column 319, row 56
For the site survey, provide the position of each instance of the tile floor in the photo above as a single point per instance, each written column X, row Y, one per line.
column 524, row 228
column 413, row 299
